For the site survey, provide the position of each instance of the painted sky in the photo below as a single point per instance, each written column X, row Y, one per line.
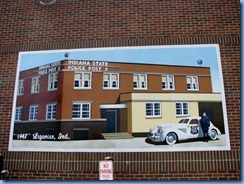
column 186, row 55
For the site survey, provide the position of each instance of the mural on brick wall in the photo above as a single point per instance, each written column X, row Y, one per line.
column 147, row 98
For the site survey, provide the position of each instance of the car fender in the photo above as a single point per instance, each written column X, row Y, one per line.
column 212, row 127
column 180, row 134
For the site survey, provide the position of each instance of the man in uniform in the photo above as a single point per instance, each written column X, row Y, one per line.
column 205, row 123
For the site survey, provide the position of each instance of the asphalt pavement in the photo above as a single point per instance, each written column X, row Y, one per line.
column 120, row 145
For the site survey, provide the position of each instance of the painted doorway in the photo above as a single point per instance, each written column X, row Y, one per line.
column 215, row 112
column 111, row 124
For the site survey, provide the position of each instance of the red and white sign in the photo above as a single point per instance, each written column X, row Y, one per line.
column 106, row 170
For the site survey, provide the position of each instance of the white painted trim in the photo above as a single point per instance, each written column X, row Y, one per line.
column 113, row 106
column 51, row 104
column 33, row 106
column 49, row 81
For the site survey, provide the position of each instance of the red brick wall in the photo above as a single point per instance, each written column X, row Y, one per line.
column 27, row 25
column 75, row 20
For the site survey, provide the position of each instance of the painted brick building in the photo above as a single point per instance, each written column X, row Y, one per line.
column 30, row 26
column 87, row 98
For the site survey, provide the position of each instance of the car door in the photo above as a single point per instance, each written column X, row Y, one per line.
column 193, row 129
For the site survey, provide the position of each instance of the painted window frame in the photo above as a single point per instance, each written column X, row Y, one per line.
column 168, row 83
column 53, row 113
column 191, row 84
column 35, row 85
column 182, row 109
column 81, row 81
column 20, row 88
column 81, row 111
column 153, row 110
column 139, row 83
column 18, row 113
column 53, row 83
column 110, row 81
column 33, row 116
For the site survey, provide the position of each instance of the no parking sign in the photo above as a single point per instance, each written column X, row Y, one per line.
column 106, row 170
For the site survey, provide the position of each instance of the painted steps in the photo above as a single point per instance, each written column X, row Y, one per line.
column 119, row 135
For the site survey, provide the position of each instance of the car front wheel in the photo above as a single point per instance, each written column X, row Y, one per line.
column 213, row 134
column 171, row 138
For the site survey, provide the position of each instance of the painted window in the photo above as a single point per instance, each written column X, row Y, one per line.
column 33, row 114
column 168, row 82
column 81, row 111
column 140, row 81
column 111, row 81
column 153, row 109
column 18, row 113
column 182, row 109
column 35, row 86
column 21, row 87
column 83, row 80
column 193, row 122
column 53, row 81
column 51, row 111
column 192, row 83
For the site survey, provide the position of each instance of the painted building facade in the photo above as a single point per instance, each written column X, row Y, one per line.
column 80, row 99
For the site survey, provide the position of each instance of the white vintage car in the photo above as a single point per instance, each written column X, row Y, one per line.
column 187, row 128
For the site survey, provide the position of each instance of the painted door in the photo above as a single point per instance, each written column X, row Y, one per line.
column 111, row 125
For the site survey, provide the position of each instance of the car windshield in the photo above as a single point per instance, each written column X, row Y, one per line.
column 184, row 121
